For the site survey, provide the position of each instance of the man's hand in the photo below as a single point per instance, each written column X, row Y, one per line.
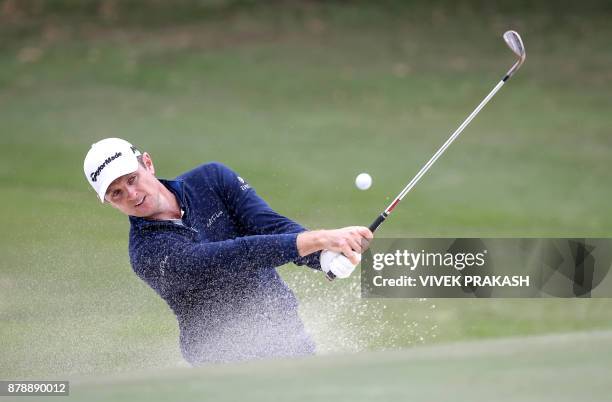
column 350, row 241
column 337, row 264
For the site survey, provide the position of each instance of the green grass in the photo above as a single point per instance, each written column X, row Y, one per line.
column 299, row 102
column 524, row 368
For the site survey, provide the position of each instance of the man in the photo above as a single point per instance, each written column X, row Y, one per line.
column 209, row 245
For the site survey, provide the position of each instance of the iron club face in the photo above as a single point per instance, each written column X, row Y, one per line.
column 515, row 43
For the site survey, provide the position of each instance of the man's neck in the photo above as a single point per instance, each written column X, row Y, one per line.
column 170, row 207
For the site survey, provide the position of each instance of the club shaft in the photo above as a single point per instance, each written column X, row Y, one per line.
column 381, row 218
column 514, row 41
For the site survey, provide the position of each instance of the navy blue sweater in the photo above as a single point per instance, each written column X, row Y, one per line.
column 216, row 269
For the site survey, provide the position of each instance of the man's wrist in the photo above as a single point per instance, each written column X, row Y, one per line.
column 310, row 242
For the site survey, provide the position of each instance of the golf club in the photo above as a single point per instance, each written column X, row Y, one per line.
column 515, row 43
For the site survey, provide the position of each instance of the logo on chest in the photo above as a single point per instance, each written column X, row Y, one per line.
column 243, row 184
column 213, row 218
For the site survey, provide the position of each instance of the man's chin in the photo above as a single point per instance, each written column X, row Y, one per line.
column 143, row 210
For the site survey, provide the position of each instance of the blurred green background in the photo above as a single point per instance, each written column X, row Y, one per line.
column 298, row 97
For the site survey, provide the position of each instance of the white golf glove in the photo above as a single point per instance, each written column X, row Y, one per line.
column 337, row 264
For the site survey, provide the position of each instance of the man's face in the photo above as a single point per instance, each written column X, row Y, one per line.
column 137, row 193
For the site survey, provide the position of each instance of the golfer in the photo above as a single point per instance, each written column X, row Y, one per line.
column 209, row 246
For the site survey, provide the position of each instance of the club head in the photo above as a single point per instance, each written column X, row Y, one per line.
column 515, row 43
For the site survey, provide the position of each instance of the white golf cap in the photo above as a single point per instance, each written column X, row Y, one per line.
column 107, row 160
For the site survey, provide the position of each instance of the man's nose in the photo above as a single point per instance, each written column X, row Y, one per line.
column 131, row 192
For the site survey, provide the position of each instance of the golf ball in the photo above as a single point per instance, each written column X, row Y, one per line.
column 363, row 181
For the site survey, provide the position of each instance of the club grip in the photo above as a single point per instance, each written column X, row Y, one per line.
column 379, row 219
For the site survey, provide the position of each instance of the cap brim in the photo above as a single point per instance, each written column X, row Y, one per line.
column 127, row 168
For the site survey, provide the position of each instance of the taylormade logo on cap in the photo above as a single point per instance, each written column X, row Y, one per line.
column 94, row 175
column 108, row 160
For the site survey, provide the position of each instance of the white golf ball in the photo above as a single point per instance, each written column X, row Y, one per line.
column 363, row 181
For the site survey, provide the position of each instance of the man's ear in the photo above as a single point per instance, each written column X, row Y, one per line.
column 148, row 162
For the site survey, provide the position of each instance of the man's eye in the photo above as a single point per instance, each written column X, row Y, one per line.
column 132, row 179
column 116, row 193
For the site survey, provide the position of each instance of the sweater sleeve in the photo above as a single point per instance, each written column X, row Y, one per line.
column 172, row 260
column 253, row 214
